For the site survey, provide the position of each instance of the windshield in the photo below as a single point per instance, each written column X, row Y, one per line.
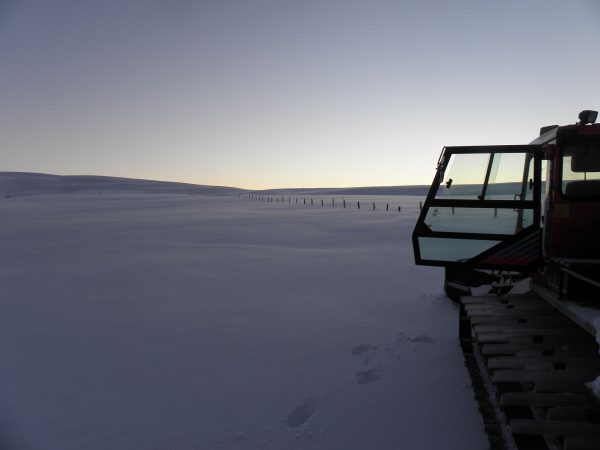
column 488, row 176
column 581, row 170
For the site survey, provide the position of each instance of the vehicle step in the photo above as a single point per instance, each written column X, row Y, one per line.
column 542, row 362
column 502, row 325
column 573, row 338
column 553, row 428
column 512, row 314
column 524, row 336
column 510, row 319
column 518, row 348
column 560, row 353
column 565, row 387
column 535, row 376
column 542, row 400
column 492, row 309
column 468, row 299
column 508, row 349
column 507, row 304
column 528, row 330
column 581, row 443
column 570, row 414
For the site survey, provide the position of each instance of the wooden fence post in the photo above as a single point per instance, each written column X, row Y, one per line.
column 358, row 205
column 373, row 206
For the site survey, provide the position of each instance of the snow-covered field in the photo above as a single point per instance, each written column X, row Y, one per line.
column 155, row 321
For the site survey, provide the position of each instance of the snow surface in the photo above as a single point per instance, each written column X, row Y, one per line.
column 161, row 321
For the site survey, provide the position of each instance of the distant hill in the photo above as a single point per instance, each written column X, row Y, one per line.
column 374, row 190
column 25, row 183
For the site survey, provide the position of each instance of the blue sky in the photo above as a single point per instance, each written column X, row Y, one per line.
column 262, row 94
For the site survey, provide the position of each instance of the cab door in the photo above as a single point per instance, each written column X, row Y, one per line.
column 483, row 209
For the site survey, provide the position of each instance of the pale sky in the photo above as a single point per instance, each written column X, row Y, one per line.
column 267, row 94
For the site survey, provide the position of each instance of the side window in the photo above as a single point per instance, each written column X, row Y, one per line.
column 478, row 220
column 464, row 176
column 452, row 250
column 581, row 170
column 484, row 177
column 506, row 177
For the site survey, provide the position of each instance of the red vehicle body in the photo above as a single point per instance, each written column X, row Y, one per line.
column 572, row 209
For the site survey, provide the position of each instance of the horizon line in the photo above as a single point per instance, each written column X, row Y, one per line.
column 209, row 185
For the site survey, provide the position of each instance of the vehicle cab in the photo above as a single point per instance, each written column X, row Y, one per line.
column 493, row 208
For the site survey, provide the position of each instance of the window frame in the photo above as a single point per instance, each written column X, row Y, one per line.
column 506, row 240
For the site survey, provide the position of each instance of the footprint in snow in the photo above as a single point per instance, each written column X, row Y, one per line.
column 301, row 413
column 363, row 348
column 423, row 338
column 240, row 436
column 368, row 376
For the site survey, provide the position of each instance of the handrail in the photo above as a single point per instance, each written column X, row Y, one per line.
column 580, row 277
